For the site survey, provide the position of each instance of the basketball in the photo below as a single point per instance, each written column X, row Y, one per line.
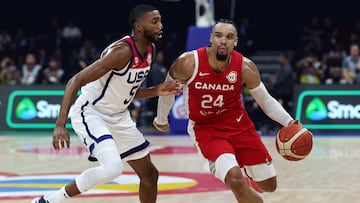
column 294, row 142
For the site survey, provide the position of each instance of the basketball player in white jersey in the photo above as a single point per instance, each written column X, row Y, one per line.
column 100, row 116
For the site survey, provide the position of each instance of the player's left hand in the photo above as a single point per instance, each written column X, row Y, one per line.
column 169, row 88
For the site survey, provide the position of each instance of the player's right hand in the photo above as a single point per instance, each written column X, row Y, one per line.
column 293, row 122
column 61, row 138
column 162, row 128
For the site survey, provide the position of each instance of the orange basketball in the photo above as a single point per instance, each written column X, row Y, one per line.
column 294, row 142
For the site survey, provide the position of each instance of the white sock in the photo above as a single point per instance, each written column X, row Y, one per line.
column 58, row 196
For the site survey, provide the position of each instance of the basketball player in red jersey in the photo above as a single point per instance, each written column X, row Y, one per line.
column 223, row 132
column 100, row 116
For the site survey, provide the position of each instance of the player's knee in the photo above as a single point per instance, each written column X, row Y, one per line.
column 110, row 160
column 114, row 168
column 154, row 175
column 235, row 180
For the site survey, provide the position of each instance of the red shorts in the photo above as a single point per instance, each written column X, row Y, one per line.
column 228, row 136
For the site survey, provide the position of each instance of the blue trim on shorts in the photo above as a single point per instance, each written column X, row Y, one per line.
column 122, row 155
column 97, row 140
column 83, row 118
column 91, row 148
column 135, row 149
column 102, row 138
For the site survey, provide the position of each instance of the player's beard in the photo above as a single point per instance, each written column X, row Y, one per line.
column 221, row 57
column 150, row 36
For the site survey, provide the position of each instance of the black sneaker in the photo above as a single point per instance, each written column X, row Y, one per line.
column 39, row 200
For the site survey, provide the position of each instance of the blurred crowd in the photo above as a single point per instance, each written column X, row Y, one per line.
column 325, row 53
column 48, row 57
column 328, row 54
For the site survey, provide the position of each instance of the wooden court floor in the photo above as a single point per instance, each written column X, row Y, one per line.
column 28, row 165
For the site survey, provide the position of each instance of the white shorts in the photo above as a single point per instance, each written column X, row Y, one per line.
column 225, row 162
column 260, row 172
column 93, row 128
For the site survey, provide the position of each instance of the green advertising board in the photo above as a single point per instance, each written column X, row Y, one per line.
column 30, row 107
column 328, row 107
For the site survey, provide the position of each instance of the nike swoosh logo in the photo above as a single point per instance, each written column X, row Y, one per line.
column 203, row 74
column 239, row 119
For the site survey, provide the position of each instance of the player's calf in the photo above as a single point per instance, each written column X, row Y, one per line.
column 268, row 185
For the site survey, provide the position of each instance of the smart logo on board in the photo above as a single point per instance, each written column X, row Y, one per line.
column 316, row 110
column 26, row 110
column 34, row 109
column 329, row 109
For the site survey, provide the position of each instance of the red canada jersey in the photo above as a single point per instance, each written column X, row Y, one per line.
column 214, row 96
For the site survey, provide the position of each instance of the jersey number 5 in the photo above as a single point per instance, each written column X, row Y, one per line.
column 132, row 93
column 209, row 102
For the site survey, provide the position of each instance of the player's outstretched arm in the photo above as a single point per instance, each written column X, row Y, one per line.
column 164, row 89
column 271, row 107
column 165, row 102
column 181, row 70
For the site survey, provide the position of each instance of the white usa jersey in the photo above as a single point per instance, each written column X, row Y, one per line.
column 114, row 91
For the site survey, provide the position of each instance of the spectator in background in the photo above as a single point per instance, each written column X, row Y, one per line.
column 354, row 35
column 351, row 65
column 309, row 70
column 88, row 52
column 246, row 34
column 30, row 70
column 9, row 75
column 332, row 61
column 53, row 73
column 43, row 57
column 77, row 67
column 335, row 54
column 283, row 82
column 72, row 32
column 70, row 43
column 334, row 76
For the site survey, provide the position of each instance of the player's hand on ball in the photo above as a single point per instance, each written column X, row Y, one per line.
column 162, row 128
column 294, row 122
column 294, row 142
